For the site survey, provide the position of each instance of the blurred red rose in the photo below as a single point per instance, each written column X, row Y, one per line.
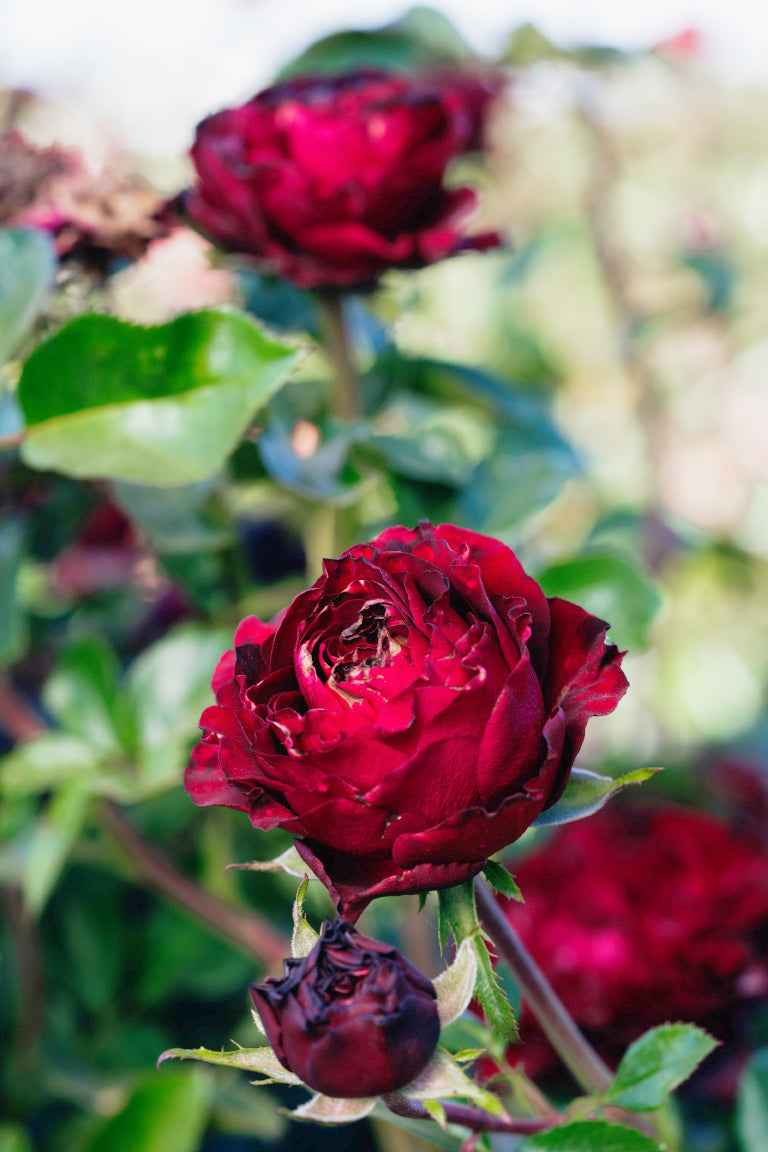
column 330, row 181
column 409, row 715
column 642, row 916
column 353, row 1018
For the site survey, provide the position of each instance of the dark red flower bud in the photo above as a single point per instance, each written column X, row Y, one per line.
column 353, row 1018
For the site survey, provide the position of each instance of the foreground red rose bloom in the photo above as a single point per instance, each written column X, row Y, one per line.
column 409, row 715
column 353, row 1018
column 329, row 182
column 642, row 916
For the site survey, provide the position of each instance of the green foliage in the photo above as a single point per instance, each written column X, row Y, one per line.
column 163, row 405
column 611, row 588
column 590, row 1136
column 13, row 630
column 587, row 792
column 164, row 1111
column 752, row 1105
column 422, row 37
column 498, row 877
column 656, row 1064
column 27, row 262
column 459, row 914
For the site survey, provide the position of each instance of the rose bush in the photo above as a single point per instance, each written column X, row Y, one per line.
column 353, row 1018
column 642, row 916
column 331, row 181
column 409, row 715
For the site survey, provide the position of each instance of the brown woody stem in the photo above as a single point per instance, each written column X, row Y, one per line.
column 473, row 1118
column 565, row 1037
column 345, row 400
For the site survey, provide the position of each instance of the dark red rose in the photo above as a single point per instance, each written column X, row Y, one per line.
column 642, row 916
column 329, row 182
column 409, row 715
column 353, row 1018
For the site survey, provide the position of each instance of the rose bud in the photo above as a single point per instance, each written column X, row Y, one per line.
column 329, row 182
column 641, row 916
column 409, row 715
column 353, row 1018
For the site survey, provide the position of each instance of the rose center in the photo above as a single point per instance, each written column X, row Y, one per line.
column 373, row 641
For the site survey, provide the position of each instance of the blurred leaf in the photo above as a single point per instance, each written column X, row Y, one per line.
column 427, row 439
column 163, row 405
column 586, row 792
column 14, row 1138
column 48, row 762
column 165, row 1111
column 81, row 693
column 239, row 1110
column 422, row 37
column 657, row 1063
column 324, row 477
column 499, row 878
column 175, row 519
column 717, row 274
column 277, row 303
column 52, row 837
column 169, row 685
column 27, row 263
column 752, row 1104
column 184, row 958
column 609, row 587
column 590, row 1136
column 12, row 621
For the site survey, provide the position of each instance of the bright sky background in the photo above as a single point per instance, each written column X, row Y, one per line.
column 152, row 68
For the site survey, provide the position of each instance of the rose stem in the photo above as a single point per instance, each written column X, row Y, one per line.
column 345, row 398
column 564, row 1036
column 252, row 933
column 473, row 1118
column 249, row 931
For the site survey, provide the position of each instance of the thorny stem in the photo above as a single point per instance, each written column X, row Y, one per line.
column 574, row 1049
column 252, row 933
column 473, row 1118
column 345, row 399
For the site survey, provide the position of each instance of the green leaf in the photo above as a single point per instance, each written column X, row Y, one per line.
column 656, row 1064
column 458, row 912
column 169, row 686
column 752, row 1104
column 586, row 792
column 164, row 1112
column 303, row 937
column 81, row 692
column 437, row 1112
column 443, row 1079
column 14, row 1138
column 12, row 623
column 50, row 843
column 49, row 762
column 611, row 588
column 163, row 405
column 590, row 1136
column 498, row 877
column 177, row 520
column 27, row 263
column 262, row 1060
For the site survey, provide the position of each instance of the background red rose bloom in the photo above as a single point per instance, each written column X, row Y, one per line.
column 409, row 715
column 329, row 182
column 642, row 916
